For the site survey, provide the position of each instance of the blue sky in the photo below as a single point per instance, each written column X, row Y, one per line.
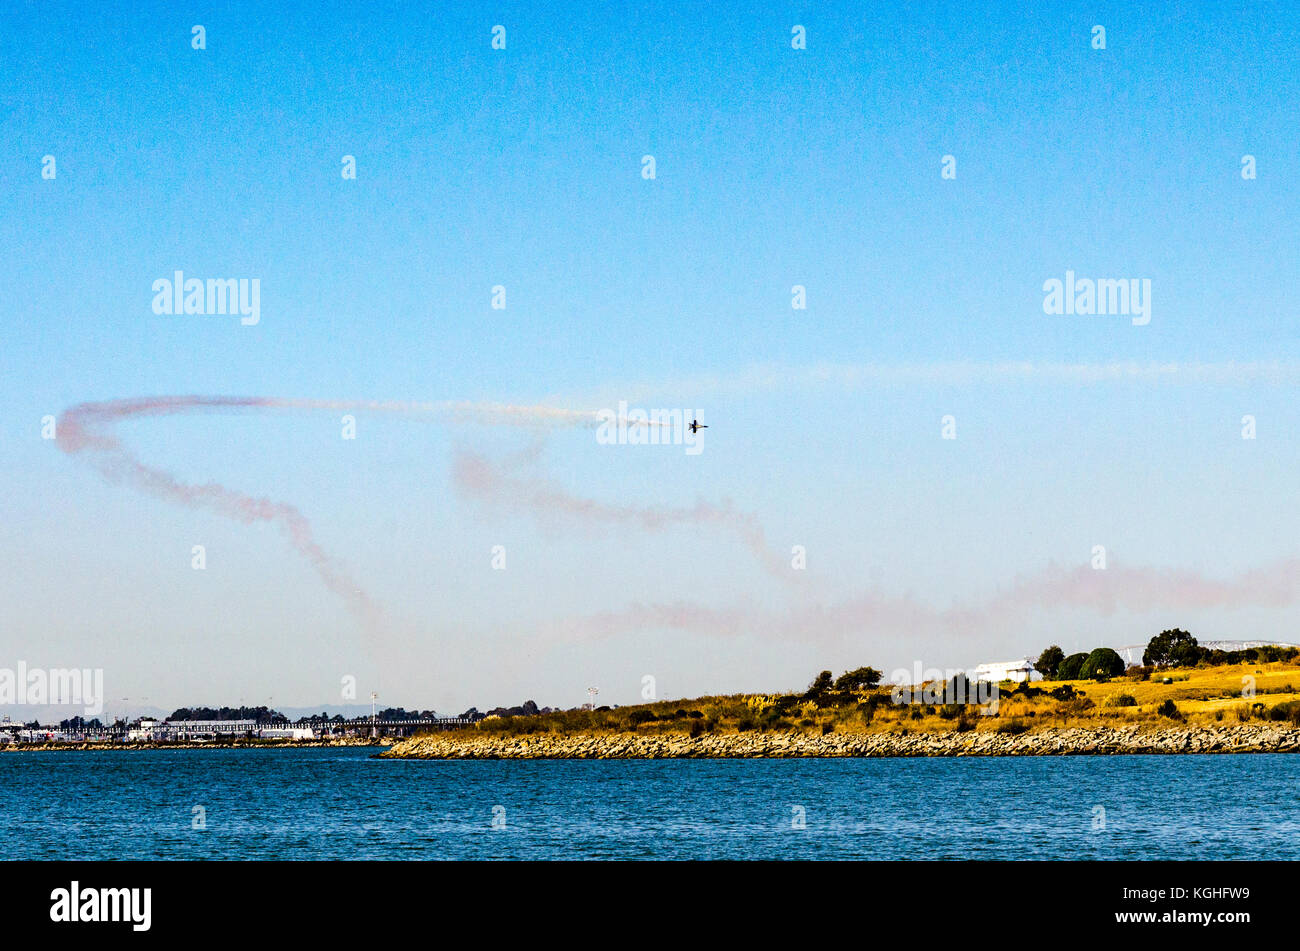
column 522, row 167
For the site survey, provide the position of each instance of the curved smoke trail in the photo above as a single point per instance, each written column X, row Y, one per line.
column 476, row 477
column 87, row 430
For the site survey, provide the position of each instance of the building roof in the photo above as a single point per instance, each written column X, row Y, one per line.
column 1024, row 663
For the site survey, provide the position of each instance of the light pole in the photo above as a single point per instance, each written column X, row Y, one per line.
column 373, row 729
column 591, row 692
column 142, row 700
column 110, row 726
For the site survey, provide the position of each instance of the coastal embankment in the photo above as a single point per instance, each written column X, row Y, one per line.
column 469, row 744
column 241, row 744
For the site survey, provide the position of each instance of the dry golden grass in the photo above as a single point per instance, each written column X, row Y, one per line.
column 1201, row 683
column 1203, row 696
column 1203, row 693
column 1225, row 694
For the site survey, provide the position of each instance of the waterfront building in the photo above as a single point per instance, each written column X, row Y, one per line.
column 1017, row 671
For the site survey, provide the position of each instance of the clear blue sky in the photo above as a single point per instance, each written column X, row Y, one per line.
column 522, row 167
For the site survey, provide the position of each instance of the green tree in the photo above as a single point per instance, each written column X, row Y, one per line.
column 1049, row 661
column 859, row 679
column 1101, row 664
column 1173, row 648
column 1069, row 668
column 823, row 684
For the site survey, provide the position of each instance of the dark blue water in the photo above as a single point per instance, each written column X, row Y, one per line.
column 341, row 804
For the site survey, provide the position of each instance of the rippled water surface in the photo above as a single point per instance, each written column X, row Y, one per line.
column 341, row 803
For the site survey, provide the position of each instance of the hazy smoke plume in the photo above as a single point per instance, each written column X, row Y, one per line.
column 478, row 478
column 1138, row 590
column 87, row 430
column 848, row 376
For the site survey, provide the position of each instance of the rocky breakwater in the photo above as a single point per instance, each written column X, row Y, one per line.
column 242, row 744
column 472, row 744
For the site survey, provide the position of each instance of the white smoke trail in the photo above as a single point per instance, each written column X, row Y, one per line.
column 478, row 478
column 87, row 430
column 761, row 378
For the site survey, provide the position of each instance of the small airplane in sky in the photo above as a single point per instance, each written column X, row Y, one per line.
column 696, row 426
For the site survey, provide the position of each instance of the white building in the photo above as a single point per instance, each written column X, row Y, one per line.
column 189, row 729
column 1018, row 671
column 286, row 733
column 145, row 731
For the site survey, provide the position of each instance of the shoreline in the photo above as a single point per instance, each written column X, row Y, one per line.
column 55, row 746
column 1054, row 741
column 1068, row 741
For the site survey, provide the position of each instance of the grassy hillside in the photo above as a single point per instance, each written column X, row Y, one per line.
column 1196, row 696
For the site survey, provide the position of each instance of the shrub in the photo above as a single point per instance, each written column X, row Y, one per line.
column 859, row 679
column 1169, row 709
column 1289, row 711
column 822, row 685
column 1076, row 707
column 1101, row 664
column 697, row 728
column 828, row 728
column 1172, row 648
column 1049, row 661
column 637, row 717
column 1069, row 668
column 695, row 715
column 1121, row 700
column 956, row 691
column 744, row 724
column 1015, row 726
